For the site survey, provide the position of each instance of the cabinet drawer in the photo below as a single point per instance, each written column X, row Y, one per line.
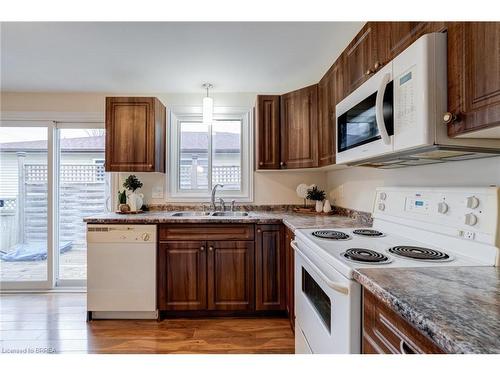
column 206, row 232
column 384, row 331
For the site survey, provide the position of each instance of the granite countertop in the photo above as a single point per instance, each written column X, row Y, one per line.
column 456, row 307
column 290, row 219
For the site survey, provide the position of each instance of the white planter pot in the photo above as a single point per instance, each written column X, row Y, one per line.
column 135, row 201
column 327, row 207
column 319, row 206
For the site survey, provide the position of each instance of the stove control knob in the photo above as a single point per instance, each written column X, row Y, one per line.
column 471, row 202
column 145, row 236
column 381, row 207
column 383, row 196
column 470, row 219
column 442, row 207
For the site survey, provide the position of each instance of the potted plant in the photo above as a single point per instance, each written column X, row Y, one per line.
column 134, row 200
column 122, row 201
column 318, row 195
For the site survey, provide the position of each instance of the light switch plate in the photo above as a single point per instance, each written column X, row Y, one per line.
column 157, row 192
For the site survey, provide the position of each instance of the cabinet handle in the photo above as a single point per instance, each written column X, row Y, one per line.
column 261, row 163
column 450, row 118
column 282, row 164
column 259, row 230
column 202, row 248
column 377, row 65
column 210, row 248
column 368, row 72
column 405, row 348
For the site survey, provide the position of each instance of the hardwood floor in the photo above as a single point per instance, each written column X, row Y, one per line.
column 55, row 323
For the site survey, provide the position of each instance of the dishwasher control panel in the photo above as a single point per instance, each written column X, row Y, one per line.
column 121, row 233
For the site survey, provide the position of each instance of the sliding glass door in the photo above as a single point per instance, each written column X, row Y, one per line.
column 25, row 258
column 51, row 177
column 83, row 190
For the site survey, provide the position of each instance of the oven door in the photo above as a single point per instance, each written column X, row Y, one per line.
column 365, row 119
column 327, row 306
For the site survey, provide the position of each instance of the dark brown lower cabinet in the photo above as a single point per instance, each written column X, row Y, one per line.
column 290, row 276
column 230, row 275
column 182, row 275
column 269, row 268
column 385, row 332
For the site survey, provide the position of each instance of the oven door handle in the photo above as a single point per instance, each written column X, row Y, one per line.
column 332, row 284
column 379, row 109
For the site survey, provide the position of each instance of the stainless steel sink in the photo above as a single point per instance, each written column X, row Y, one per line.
column 230, row 213
column 191, row 213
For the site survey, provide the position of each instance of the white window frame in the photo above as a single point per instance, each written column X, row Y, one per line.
column 186, row 114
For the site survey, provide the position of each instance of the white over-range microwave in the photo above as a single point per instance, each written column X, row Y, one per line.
column 395, row 118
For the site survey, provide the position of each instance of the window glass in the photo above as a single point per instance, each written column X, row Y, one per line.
column 226, row 154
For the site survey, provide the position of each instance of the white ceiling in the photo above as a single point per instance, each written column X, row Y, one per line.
column 169, row 57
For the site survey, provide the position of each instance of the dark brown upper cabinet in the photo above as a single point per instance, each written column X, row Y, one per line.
column 330, row 92
column 299, row 128
column 135, row 134
column 267, row 132
column 364, row 56
column 473, row 76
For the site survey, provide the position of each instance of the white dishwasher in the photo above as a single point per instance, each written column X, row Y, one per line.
column 121, row 271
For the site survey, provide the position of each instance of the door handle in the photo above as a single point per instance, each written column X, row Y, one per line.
column 210, row 248
column 379, row 109
column 332, row 284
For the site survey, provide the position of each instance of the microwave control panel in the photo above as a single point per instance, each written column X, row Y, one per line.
column 405, row 99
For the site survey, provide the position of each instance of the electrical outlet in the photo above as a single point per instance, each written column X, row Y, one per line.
column 157, row 192
column 468, row 235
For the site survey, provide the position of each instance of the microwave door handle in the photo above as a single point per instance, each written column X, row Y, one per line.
column 379, row 109
column 332, row 284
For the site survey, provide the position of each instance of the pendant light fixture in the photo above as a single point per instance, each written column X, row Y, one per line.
column 208, row 105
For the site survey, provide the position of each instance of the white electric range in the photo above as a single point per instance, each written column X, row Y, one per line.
column 412, row 227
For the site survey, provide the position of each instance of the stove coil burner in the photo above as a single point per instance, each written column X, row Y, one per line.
column 365, row 256
column 331, row 235
column 368, row 232
column 419, row 253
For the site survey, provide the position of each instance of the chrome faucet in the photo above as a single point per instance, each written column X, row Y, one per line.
column 214, row 190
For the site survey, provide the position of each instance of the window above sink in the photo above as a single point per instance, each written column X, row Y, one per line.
column 203, row 155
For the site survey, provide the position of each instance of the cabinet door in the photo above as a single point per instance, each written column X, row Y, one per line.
column 290, row 279
column 330, row 92
column 267, row 128
column 182, row 275
column 230, row 275
column 385, row 332
column 269, row 268
column 473, row 75
column 135, row 134
column 299, row 128
column 363, row 56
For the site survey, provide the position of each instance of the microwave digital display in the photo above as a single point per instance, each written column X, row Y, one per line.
column 419, row 203
column 405, row 78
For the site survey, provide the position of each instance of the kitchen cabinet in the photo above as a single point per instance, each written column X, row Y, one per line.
column 230, row 267
column 473, row 77
column 135, row 134
column 363, row 56
column 290, row 279
column 330, row 92
column 209, row 267
column 269, row 268
column 182, row 275
column 385, row 332
column 299, row 128
column 267, row 132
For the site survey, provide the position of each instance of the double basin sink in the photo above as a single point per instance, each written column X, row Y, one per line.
column 216, row 213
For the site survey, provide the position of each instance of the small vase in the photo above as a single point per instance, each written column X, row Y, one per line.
column 319, row 206
column 135, row 201
column 327, row 207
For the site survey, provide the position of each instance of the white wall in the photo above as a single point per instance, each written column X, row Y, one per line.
column 354, row 187
column 269, row 187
